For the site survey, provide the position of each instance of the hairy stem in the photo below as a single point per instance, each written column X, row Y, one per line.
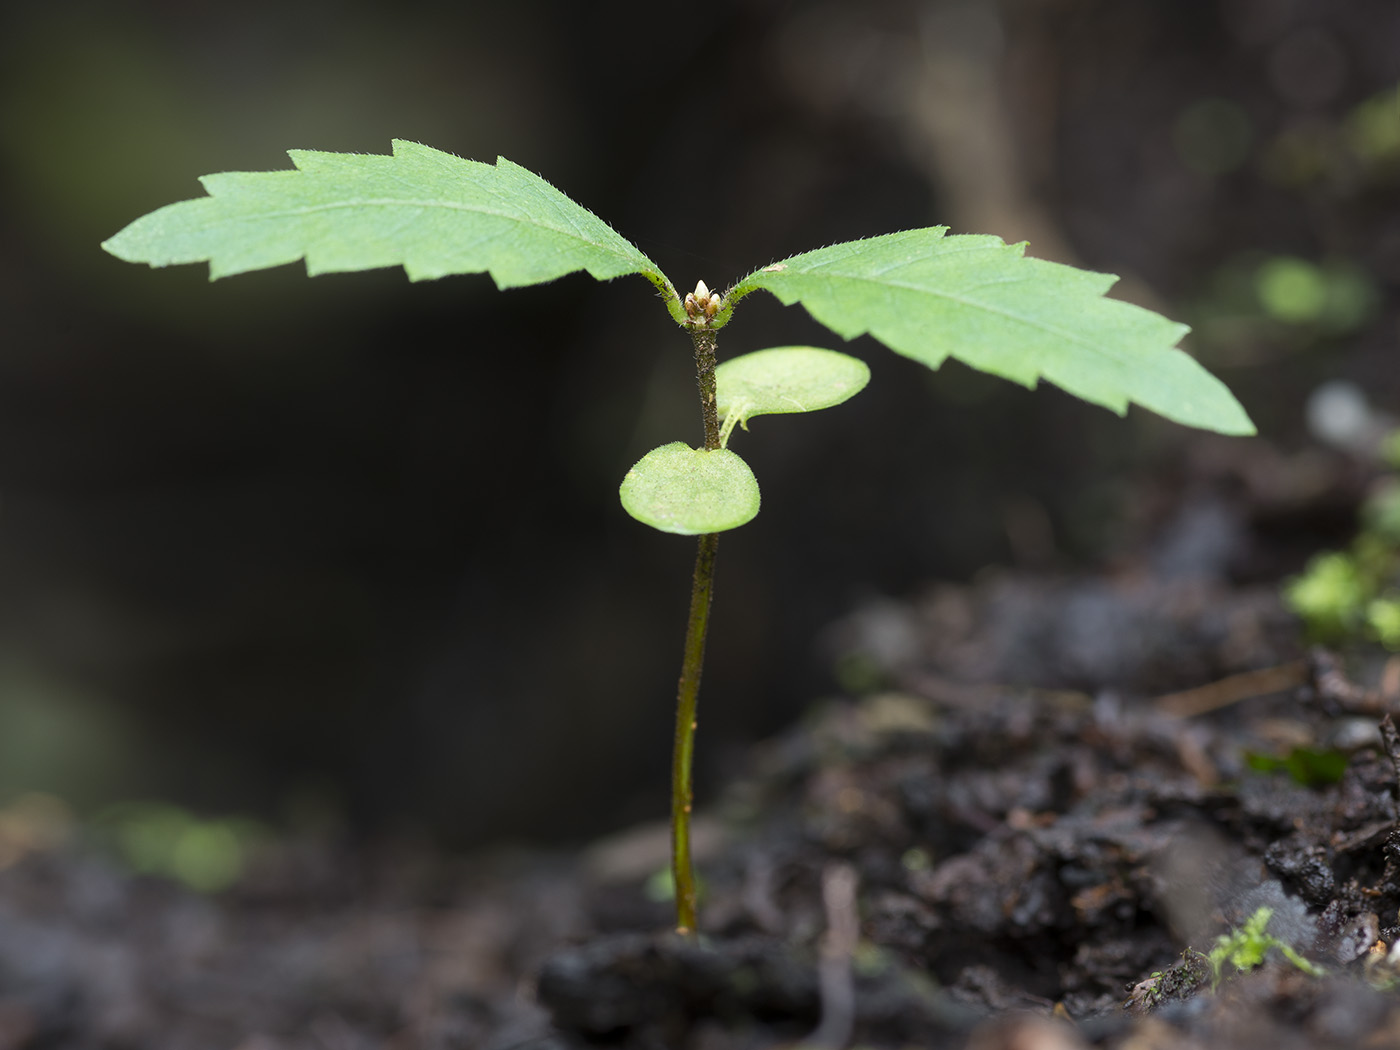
column 704, row 340
column 697, row 626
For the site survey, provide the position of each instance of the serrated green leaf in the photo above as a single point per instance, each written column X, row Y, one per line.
column 431, row 212
column 982, row 301
column 786, row 379
column 690, row 491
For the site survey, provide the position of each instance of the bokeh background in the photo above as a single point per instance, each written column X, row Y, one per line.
column 349, row 548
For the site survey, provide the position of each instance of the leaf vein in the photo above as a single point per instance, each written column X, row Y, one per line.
column 1033, row 323
column 392, row 202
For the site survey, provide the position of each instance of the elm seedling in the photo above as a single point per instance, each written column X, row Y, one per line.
column 923, row 294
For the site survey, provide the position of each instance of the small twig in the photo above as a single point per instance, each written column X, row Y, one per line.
column 1233, row 689
column 1338, row 694
column 758, row 895
column 834, row 976
column 1391, row 738
column 1390, row 679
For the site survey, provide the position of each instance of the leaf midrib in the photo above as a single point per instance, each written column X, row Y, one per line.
column 391, row 202
column 1095, row 347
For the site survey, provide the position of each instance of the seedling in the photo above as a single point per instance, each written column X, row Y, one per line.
column 1245, row 948
column 923, row 294
column 1354, row 595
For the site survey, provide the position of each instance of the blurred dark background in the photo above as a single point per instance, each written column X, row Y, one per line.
column 350, row 545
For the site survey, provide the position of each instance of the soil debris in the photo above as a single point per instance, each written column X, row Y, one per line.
column 1020, row 835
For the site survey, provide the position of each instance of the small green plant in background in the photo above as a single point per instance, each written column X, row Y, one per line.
column 922, row 293
column 1245, row 948
column 156, row 838
column 1355, row 594
column 1255, row 306
column 1307, row 766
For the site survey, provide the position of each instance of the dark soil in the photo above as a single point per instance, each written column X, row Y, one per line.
column 940, row 860
column 1040, row 800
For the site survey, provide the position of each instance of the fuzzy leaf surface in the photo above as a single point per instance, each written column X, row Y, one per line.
column 787, row 379
column 690, row 491
column 983, row 302
column 431, row 212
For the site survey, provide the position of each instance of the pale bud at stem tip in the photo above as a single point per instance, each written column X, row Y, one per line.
column 702, row 302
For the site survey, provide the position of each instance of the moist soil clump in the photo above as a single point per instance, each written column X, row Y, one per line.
column 1034, row 853
column 937, row 860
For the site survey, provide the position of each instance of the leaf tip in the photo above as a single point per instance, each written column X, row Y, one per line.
column 1241, row 427
column 127, row 245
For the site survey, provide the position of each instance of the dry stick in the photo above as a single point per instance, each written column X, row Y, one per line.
column 1391, row 738
column 838, row 993
column 697, row 626
column 1233, row 689
column 1390, row 679
column 1336, row 692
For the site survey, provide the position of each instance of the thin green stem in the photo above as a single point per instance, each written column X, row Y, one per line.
column 693, row 660
column 682, row 868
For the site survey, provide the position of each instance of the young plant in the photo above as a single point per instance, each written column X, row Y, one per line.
column 1245, row 948
column 923, row 294
column 1354, row 595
